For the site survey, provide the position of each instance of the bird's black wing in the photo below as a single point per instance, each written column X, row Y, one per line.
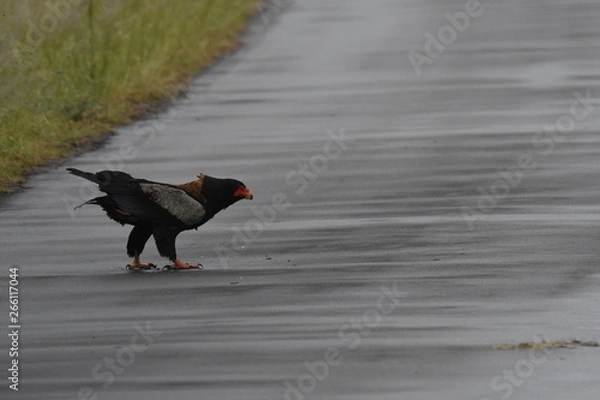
column 152, row 202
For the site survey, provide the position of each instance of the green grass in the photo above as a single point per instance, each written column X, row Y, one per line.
column 75, row 73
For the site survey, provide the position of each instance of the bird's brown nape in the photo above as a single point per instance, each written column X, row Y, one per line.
column 194, row 188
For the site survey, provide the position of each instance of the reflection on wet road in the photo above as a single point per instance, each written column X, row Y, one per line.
column 402, row 223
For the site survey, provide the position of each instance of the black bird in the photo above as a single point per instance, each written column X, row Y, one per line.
column 161, row 209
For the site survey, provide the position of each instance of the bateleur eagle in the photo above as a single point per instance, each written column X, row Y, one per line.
column 161, row 210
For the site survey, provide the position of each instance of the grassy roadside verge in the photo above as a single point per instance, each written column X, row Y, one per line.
column 72, row 70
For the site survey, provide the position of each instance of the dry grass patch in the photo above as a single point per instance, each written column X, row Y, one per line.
column 553, row 344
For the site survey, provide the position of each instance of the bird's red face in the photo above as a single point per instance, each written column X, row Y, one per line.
column 243, row 192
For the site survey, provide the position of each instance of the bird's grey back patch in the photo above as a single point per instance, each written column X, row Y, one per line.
column 175, row 201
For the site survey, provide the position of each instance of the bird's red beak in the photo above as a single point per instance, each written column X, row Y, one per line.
column 243, row 192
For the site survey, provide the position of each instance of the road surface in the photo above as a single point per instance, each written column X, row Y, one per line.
column 426, row 187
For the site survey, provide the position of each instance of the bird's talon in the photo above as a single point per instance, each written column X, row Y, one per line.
column 140, row 266
column 181, row 265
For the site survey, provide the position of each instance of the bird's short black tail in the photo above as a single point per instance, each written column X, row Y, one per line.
column 108, row 181
column 86, row 175
column 96, row 201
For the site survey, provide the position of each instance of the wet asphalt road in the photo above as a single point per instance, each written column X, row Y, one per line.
column 381, row 261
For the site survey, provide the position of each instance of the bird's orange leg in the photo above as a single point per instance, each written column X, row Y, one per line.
column 178, row 264
column 136, row 264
